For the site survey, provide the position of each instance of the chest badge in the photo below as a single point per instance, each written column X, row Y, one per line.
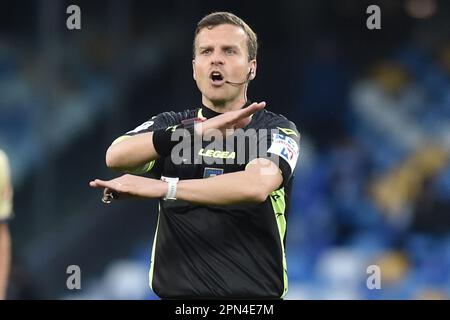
column 212, row 172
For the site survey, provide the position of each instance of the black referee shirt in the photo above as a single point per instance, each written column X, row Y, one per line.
column 234, row 251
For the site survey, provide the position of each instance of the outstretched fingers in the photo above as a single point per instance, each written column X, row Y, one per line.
column 251, row 109
column 97, row 183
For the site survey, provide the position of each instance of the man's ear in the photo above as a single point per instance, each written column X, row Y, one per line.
column 253, row 66
column 193, row 69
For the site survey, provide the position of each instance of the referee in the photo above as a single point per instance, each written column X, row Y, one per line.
column 221, row 229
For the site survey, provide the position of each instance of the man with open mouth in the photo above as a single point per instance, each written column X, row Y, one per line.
column 223, row 210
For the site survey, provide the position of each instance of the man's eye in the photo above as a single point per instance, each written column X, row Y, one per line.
column 229, row 51
column 206, row 51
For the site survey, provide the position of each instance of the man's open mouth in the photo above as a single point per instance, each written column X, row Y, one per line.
column 217, row 78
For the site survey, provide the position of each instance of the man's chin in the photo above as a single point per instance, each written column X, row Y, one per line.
column 218, row 100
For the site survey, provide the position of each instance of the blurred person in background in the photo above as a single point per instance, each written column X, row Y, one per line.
column 6, row 196
column 222, row 227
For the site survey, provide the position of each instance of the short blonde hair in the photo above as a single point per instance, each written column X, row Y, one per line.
column 219, row 18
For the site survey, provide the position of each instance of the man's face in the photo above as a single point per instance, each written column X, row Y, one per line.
column 221, row 54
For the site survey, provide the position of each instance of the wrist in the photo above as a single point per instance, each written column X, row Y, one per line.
column 163, row 189
column 170, row 188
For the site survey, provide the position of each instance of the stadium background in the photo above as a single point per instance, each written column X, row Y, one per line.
column 373, row 180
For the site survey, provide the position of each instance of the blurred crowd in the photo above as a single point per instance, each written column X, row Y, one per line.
column 380, row 195
column 372, row 186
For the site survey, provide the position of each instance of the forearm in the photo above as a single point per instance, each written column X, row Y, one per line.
column 5, row 259
column 260, row 178
column 131, row 152
column 226, row 189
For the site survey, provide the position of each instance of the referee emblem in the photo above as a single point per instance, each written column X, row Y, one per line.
column 212, row 172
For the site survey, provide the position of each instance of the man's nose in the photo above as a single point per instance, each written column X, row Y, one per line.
column 217, row 59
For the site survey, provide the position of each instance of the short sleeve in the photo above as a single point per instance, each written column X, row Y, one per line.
column 161, row 121
column 283, row 147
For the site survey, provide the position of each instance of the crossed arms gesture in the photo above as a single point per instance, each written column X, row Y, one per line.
column 254, row 184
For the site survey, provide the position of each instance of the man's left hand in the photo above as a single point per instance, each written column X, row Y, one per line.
column 132, row 186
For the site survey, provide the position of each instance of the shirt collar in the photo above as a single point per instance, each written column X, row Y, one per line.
column 208, row 113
